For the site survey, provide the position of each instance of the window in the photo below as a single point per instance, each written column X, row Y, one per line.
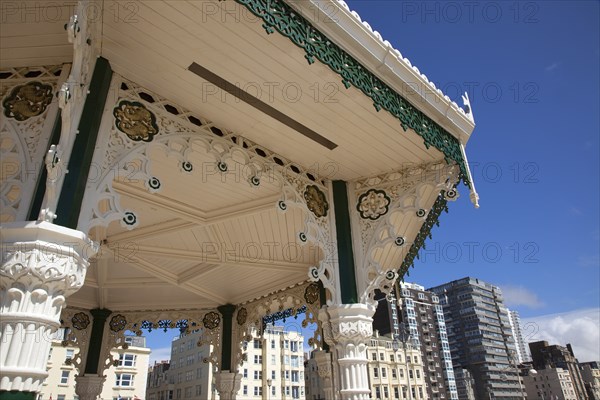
column 273, row 359
column 410, row 374
column 64, row 377
column 273, row 390
column 418, row 374
column 198, row 390
column 374, row 356
column 287, row 375
column 60, row 397
column 295, row 362
column 394, row 375
column 70, row 353
column 258, row 390
column 384, row 372
column 375, row 372
column 377, row 392
column 188, row 392
column 273, row 375
column 245, row 390
column 257, row 374
column 127, row 360
column 124, row 380
column 386, row 394
column 381, row 357
column 272, row 344
column 295, row 376
column 257, row 359
column 396, row 393
column 286, row 360
column 391, row 357
column 294, row 346
column 286, row 344
column 50, row 354
column 245, row 373
column 257, row 344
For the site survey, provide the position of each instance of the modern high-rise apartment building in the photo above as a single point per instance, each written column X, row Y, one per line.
column 521, row 346
column 125, row 380
column 547, row 356
column 480, row 337
column 418, row 312
column 274, row 369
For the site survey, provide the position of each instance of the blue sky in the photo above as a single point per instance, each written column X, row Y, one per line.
column 532, row 72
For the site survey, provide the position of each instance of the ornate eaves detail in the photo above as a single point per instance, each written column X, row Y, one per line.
column 278, row 16
column 78, row 333
column 410, row 191
column 249, row 316
column 120, row 322
column 29, row 109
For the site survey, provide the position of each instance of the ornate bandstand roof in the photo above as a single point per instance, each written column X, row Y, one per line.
column 225, row 127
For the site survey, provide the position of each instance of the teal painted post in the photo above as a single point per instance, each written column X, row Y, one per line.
column 71, row 195
column 344, row 243
column 227, row 312
column 95, row 346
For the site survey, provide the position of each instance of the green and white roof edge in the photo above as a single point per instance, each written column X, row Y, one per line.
column 340, row 39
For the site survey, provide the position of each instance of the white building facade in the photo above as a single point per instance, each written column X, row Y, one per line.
column 549, row 384
column 126, row 379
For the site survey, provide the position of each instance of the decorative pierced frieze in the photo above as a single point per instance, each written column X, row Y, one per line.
column 390, row 212
column 121, row 322
column 250, row 316
column 28, row 112
column 41, row 265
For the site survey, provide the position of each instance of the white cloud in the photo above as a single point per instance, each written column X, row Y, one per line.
column 160, row 354
column 581, row 328
column 515, row 296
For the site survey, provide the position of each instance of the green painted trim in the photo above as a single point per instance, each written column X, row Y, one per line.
column 277, row 15
column 16, row 395
column 40, row 186
column 441, row 204
column 71, row 195
column 343, row 233
column 227, row 312
column 100, row 316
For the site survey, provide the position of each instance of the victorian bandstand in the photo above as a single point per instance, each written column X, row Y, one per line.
column 204, row 165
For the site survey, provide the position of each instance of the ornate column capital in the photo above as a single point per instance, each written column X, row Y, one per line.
column 351, row 323
column 227, row 384
column 41, row 265
column 89, row 387
column 37, row 254
column 350, row 327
